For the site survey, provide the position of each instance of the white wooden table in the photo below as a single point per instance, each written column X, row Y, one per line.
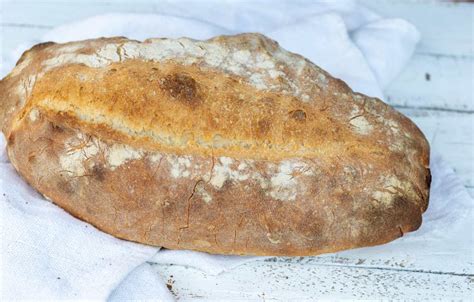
column 435, row 90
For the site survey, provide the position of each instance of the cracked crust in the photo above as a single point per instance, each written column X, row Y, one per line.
column 230, row 145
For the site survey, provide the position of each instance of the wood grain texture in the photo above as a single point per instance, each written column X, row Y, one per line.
column 302, row 282
column 434, row 82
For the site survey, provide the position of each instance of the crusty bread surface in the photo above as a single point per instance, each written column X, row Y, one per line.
column 230, row 145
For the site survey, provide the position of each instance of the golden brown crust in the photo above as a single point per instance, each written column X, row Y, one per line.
column 141, row 200
column 195, row 154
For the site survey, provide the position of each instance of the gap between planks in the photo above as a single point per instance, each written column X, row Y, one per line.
column 430, row 108
column 421, row 271
column 23, row 25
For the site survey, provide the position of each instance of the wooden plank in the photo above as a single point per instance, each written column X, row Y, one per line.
column 267, row 281
column 430, row 81
column 446, row 27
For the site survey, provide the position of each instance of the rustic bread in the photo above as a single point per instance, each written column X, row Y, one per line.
column 231, row 145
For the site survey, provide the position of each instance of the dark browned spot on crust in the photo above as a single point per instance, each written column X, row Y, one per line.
column 345, row 197
column 85, row 51
column 267, row 101
column 428, row 177
column 31, row 158
column 56, row 128
column 65, row 186
column 263, row 126
column 401, row 231
column 37, row 47
column 341, row 85
column 427, row 190
column 310, row 225
column 267, row 104
column 98, row 172
column 181, row 87
column 298, row 115
column 11, row 139
column 407, row 210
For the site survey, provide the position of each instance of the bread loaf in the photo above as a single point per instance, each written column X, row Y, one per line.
column 231, row 145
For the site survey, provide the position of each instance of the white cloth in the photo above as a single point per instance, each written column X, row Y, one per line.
column 46, row 253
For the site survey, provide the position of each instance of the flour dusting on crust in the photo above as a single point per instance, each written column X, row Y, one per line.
column 119, row 154
column 77, row 150
column 266, row 70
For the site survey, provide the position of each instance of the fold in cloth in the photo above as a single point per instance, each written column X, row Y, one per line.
column 48, row 254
